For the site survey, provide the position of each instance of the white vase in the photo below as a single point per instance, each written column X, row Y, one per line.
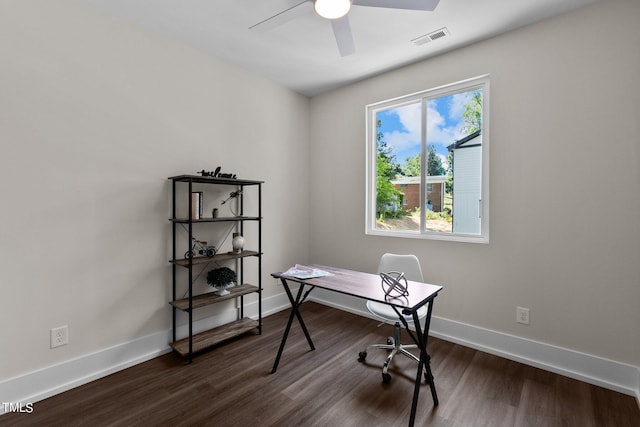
column 237, row 243
column 222, row 290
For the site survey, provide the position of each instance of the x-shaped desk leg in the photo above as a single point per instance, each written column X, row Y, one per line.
column 295, row 304
column 421, row 340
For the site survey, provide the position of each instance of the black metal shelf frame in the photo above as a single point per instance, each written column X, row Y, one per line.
column 190, row 262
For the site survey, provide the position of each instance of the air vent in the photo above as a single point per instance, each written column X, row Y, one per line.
column 435, row 35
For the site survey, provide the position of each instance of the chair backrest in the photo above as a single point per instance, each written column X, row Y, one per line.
column 409, row 264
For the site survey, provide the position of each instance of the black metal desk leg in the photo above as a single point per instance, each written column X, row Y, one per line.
column 295, row 312
column 421, row 337
column 427, row 360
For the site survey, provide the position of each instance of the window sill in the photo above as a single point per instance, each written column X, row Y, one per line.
column 465, row 238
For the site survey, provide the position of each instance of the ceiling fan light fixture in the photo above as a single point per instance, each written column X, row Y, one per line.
column 332, row 9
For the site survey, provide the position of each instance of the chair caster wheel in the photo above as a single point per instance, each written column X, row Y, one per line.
column 386, row 378
column 390, row 341
column 362, row 355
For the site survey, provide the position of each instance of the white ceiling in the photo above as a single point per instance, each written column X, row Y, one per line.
column 302, row 54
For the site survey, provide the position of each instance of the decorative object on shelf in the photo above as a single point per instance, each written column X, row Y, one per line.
column 201, row 248
column 214, row 213
column 394, row 284
column 196, row 204
column 218, row 174
column 221, row 279
column 232, row 195
column 237, row 243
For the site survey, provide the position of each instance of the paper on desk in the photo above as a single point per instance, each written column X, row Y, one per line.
column 303, row 272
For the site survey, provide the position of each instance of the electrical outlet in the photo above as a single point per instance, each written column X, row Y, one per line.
column 59, row 336
column 522, row 315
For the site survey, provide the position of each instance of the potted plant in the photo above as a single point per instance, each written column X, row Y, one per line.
column 221, row 279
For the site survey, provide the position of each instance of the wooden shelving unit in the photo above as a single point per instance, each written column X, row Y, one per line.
column 184, row 262
column 211, row 298
column 214, row 336
column 193, row 343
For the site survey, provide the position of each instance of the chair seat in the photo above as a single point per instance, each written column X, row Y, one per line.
column 387, row 313
column 409, row 265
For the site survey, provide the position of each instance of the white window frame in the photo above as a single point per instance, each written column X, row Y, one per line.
column 480, row 82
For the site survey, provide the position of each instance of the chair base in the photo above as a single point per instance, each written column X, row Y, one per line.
column 395, row 347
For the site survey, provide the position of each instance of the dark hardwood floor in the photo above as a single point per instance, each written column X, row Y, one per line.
column 231, row 385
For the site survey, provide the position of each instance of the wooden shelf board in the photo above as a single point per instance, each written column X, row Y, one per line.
column 219, row 219
column 215, row 336
column 211, row 298
column 217, row 257
column 214, row 180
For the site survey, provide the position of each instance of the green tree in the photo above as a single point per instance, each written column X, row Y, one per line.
column 387, row 196
column 434, row 163
column 449, row 182
column 412, row 166
column 473, row 113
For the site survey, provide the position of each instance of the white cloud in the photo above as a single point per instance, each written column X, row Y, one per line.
column 438, row 133
column 458, row 101
column 409, row 136
column 401, row 141
column 410, row 116
column 441, row 131
column 444, row 161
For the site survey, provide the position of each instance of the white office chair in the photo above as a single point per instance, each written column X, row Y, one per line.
column 410, row 266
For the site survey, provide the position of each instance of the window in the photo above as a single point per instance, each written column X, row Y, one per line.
column 428, row 164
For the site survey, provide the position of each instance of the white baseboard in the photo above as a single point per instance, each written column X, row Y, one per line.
column 37, row 385
column 591, row 369
column 49, row 381
column 46, row 382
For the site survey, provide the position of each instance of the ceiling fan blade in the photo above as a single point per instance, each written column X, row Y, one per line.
column 344, row 38
column 399, row 4
column 300, row 9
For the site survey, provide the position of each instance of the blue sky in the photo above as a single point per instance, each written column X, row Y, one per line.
column 402, row 130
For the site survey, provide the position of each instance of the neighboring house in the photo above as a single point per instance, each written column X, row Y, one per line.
column 410, row 188
column 467, row 183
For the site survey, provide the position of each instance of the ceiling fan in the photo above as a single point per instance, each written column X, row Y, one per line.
column 336, row 11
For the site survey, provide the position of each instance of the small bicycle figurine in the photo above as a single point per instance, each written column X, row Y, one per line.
column 201, row 248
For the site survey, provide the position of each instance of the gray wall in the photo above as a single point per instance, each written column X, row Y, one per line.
column 565, row 102
column 95, row 114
